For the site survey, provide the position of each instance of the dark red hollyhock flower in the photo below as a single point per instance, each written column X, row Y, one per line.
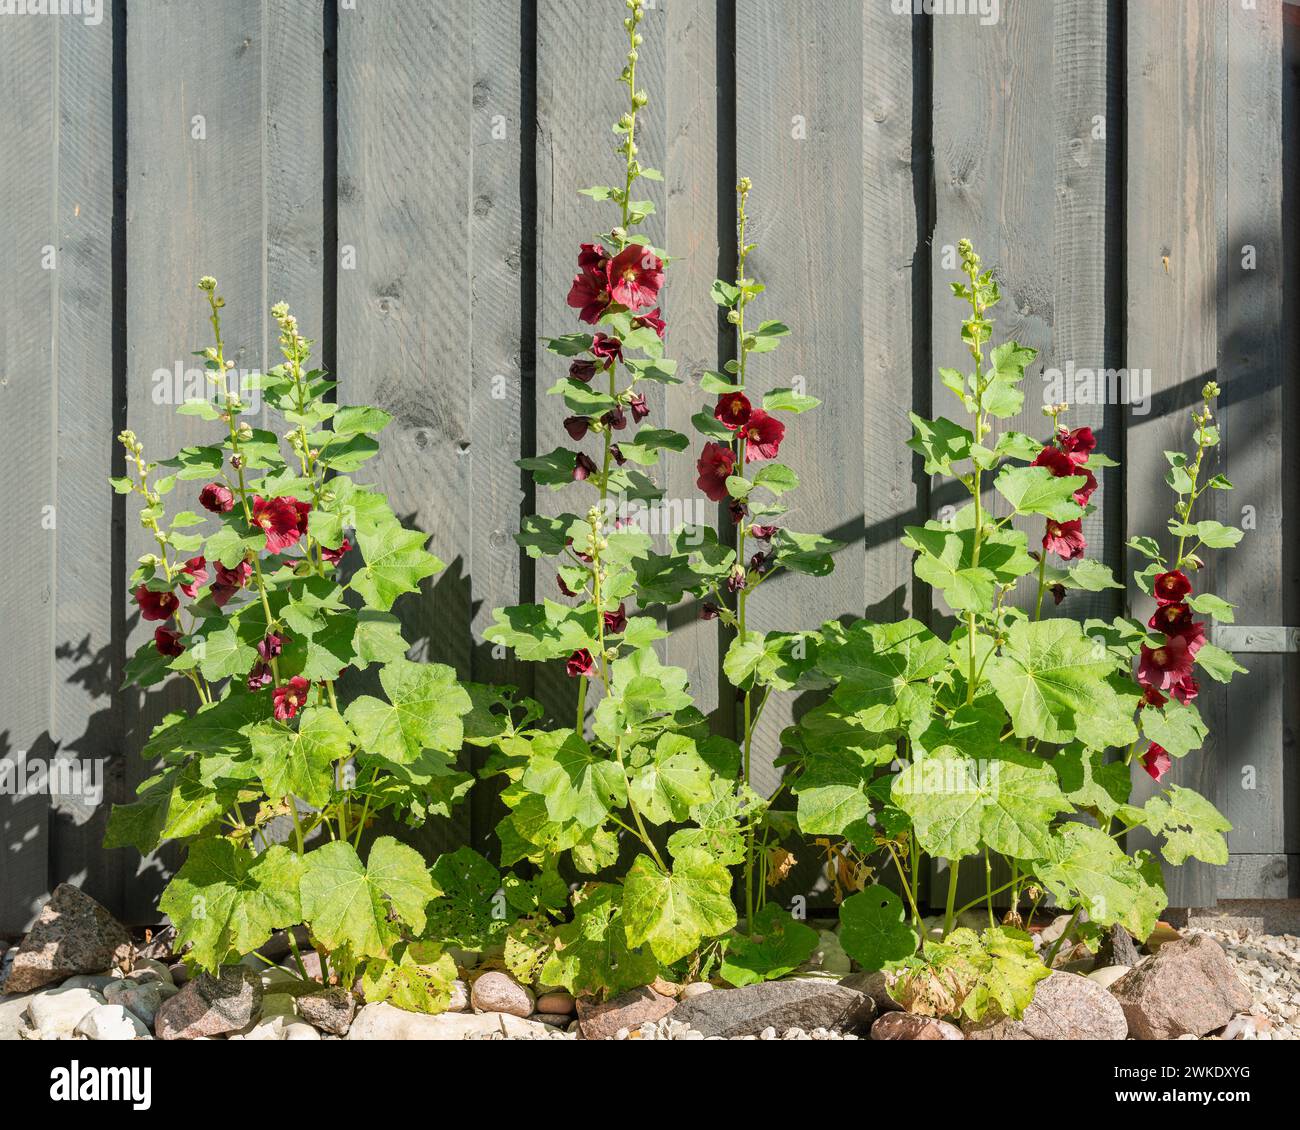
column 1065, row 539
column 583, row 466
column 763, row 533
column 196, row 567
column 715, row 463
column 617, row 453
column 732, row 410
column 258, row 677
column 229, row 581
column 1151, row 697
column 334, row 556
column 606, row 349
column 737, row 511
column 304, row 511
column 1170, row 618
column 576, row 426
column 1058, row 592
column 635, row 275
column 1185, row 690
column 760, row 563
column 278, row 518
column 156, row 605
column 1156, row 761
column 580, row 663
column 167, row 642
column 559, row 580
column 708, row 611
column 1171, row 587
column 582, row 369
column 653, row 320
column 290, row 698
column 1077, row 444
column 736, row 578
column 1165, row 666
column 616, row 621
column 589, row 293
column 271, row 646
column 1085, row 492
column 763, row 435
column 217, row 498
column 640, row 409
column 615, row 418
column 1055, row 460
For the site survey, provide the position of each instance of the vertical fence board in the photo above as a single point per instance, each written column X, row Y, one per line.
column 1253, row 773
column 500, row 291
column 405, row 180
column 799, row 138
column 84, row 723
column 895, row 277
column 29, row 139
column 693, row 103
column 1171, row 272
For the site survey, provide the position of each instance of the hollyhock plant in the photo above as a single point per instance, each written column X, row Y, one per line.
column 1055, row 702
column 732, row 410
column 1172, row 587
column 631, row 754
column 263, row 672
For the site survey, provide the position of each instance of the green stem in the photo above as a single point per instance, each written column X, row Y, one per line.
column 954, row 866
column 1051, row 954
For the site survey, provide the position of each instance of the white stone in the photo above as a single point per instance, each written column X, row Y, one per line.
column 141, row 998
column 300, row 1031
column 111, row 1022
column 56, row 1013
column 146, row 969
column 381, row 1021
column 695, row 989
column 1107, row 975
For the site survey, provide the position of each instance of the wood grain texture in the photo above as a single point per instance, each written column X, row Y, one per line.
column 29, row 401
column 84, row 723
column 1172, row 274
column 500, row 292
column 404, row 210
column 1258, row 761
column 799, row 139
column 895, row 277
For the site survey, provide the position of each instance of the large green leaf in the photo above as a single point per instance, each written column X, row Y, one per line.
column 225, row 901
column 674, row 911
column 348, row 904
column 1053, row 681
column 874, row 929
column 467, row 912
column 665, row 781
column 1190, row 824
column 578, row 783
column 424, row 710
column 591, row 954
column 395, row 563
column 299, row 762
column 776, row 945
column 1035, row 490
column 1085, row 866
column 885, row 672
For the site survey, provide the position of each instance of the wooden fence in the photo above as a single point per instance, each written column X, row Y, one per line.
column 404, row 174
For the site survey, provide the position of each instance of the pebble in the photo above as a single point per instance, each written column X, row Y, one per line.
column 696, row 989
column 55, row 1013
column 557, row 1004
column 142, row 1000
column 111, row 1022
column 1269, row 964
column 498, row 992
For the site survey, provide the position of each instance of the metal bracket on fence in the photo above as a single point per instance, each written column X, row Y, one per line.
column 1238, row 638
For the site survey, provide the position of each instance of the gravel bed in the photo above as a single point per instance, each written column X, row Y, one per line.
column 1270, row 966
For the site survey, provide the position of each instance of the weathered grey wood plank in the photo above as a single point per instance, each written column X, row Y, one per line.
column 84, row 723
column 405, row 183
column 1171, row 271
column 29, row 176
column 799, row 138
column 500, row 293
column 895, row 281
column 690, row 105
column 195, row 206
column 1250, row 714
